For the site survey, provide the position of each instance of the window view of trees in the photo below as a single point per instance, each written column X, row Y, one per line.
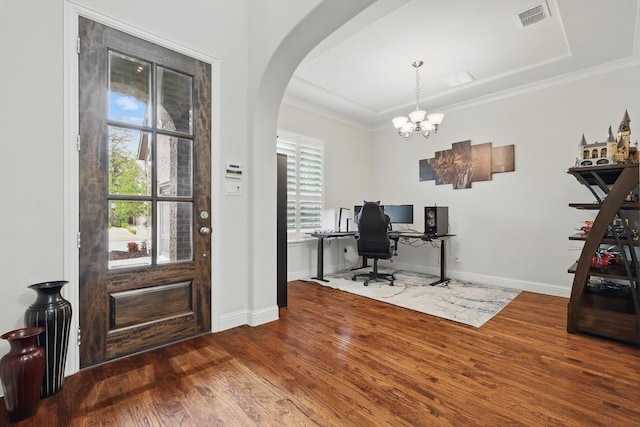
column 128, row 175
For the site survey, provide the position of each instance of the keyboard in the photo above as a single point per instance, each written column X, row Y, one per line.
column 332, row 233
column 411, row 234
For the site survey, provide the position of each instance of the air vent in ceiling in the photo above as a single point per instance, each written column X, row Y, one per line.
column 532, row 15
column 458, row 79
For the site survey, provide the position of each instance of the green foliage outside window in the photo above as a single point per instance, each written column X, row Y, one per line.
column 127, row 176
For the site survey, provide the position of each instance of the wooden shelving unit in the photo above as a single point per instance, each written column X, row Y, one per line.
column 595, row 309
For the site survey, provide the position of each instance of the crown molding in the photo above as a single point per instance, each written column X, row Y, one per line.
column 325, row 112
column 594, row 71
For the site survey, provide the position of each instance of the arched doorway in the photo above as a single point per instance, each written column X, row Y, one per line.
column 328, row 16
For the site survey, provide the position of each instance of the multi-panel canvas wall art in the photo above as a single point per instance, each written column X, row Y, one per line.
column 465, row 163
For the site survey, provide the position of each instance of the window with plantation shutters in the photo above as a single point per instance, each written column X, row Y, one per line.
column 305, row 171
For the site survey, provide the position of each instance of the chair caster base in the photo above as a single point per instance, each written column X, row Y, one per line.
column 373, row 276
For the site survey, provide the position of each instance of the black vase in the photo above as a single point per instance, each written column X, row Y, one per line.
column 54, row 313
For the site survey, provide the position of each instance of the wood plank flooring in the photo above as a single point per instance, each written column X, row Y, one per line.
column 336, row 359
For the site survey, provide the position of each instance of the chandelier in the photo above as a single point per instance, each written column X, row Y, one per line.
column 416, row 122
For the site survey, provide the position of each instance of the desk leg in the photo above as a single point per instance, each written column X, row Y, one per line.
column 443, row 265
column 320, row 261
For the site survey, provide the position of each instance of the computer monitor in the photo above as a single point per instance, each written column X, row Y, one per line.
column 357, row 208
column 399, row 214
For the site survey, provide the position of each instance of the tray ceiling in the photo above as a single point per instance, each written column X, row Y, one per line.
column 362, row 73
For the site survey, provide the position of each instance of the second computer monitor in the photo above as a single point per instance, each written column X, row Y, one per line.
column 399, row 214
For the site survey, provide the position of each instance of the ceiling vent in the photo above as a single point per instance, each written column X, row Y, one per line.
column 458, row 79
column 533, row 15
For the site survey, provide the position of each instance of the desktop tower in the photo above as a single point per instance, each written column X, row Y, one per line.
column 436, row 221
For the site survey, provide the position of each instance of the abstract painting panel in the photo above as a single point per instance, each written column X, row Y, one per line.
column 502, row 159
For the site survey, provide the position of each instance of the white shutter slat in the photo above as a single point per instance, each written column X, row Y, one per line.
column 310, row 215
column 310, row 171
column 305, row 170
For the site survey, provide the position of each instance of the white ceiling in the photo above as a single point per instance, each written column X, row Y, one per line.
column 362, row 73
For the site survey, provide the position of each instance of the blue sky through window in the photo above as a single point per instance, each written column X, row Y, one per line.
column 126, row 109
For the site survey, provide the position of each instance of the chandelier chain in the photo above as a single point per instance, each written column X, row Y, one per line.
column 417, row 88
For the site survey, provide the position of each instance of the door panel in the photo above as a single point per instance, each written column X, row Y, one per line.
column 145, row 132
column 140, row 305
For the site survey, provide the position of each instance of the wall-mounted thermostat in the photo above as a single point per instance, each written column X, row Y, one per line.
column 233, row 170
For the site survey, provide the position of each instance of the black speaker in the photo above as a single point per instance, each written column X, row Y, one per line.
column 436, row 220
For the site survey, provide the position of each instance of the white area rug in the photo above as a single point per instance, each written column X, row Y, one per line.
column 463, row 302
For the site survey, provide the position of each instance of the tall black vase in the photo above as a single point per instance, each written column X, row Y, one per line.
column 54, row 313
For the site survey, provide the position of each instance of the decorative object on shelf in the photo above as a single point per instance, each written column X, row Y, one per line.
column 416, row 122
column 52, row 312
column 609, row 254
column 21, row 371
column 465, row 163
column 613, row 150
column 586, row 227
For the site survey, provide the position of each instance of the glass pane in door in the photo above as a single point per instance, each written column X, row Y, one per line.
column 175, row 235
column 129, row 162
column 175, row 166
column 129, row 89
column 129, row 233
column 175, row 107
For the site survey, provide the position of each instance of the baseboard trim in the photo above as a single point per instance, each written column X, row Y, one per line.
column 233, row 320
column 539, row 288
column 263, row 316
column 246, row 317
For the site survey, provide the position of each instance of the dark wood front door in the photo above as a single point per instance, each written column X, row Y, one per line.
column 144, row 196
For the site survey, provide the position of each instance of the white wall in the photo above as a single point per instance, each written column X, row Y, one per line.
column 347, row 182
column 31, row 154
column 513, row 230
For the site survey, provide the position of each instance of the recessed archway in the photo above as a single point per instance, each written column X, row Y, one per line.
column 324, row 19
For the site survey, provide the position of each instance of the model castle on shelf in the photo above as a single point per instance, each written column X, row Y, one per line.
column 612, row 151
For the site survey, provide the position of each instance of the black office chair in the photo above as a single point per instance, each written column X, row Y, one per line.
column 373, row 240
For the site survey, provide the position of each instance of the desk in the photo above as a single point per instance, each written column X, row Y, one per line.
column 326, row 235
column 443, row 264
column 393, row 235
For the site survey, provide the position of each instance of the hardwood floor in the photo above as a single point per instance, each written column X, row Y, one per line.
column 336, row 359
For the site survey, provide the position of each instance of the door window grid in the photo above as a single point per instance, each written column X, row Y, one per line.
column 133, row 91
